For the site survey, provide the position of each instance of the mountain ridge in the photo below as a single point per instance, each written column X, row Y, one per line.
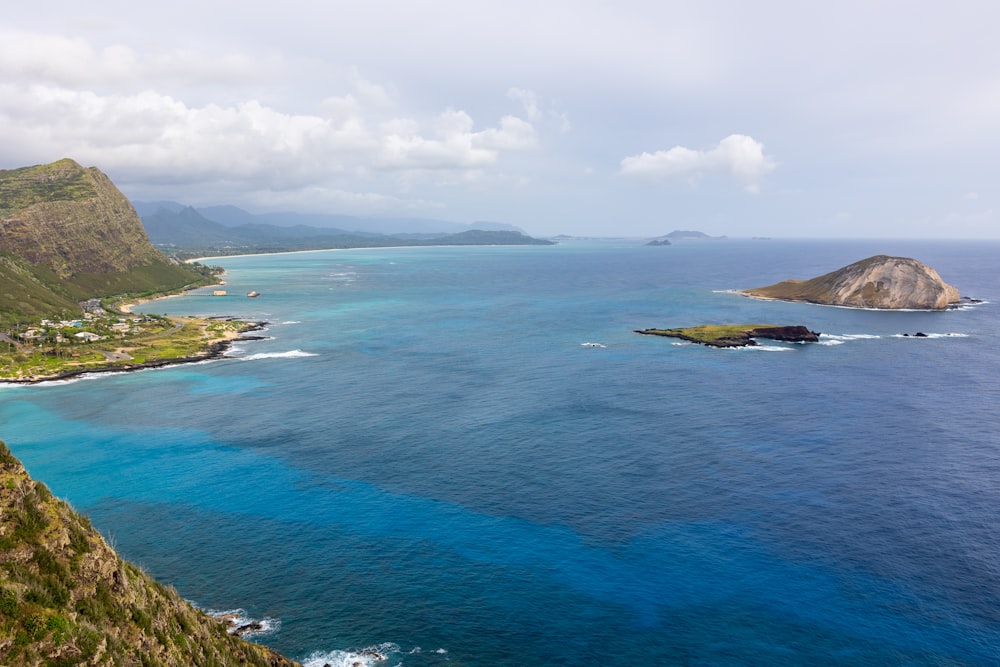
column 67, row 234
column 189, row 232
column 229, row 215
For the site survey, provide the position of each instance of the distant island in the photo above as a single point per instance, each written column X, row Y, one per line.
column 686, row 235
column 736, row 335
column 659, row 241
column 880, row 282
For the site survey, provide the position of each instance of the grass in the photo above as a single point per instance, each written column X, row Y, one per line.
column 736, row 335
column 719, row 335
column 707, row 333
column 166, row 341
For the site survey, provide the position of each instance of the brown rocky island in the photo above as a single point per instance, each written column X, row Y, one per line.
column 882, row 282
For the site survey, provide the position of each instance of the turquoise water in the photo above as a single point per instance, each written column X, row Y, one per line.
column 423, row 458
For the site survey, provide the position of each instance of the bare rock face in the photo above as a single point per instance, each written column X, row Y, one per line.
column 877, row 282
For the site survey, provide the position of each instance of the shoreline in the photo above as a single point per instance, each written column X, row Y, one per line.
column 128, row 306
column 378, row 247
column 216, row 349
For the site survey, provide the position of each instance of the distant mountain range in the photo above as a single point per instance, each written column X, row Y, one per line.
column 67, row 235
column 233, row 216
column 186, row 231
column 684, row 235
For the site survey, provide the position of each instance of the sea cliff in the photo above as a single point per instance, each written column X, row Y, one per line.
column 66, row 597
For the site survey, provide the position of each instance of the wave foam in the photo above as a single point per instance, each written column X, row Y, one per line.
column 238, row 623
column 291, row 354
column 370, row 657
column 934, row 335
column 845, row 337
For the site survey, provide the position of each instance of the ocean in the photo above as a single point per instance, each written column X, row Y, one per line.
column 424, row 460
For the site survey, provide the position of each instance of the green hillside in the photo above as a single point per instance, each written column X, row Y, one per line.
column 66, row 598
column 67, row 234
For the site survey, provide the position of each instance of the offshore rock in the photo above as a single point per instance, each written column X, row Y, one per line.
column 881, row 282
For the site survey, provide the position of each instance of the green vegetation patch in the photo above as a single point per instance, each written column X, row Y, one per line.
column 59, row 181
column 736, row 335
column 151, row 341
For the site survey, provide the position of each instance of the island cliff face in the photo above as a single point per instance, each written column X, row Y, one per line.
column 876, row 282
column 66, row 598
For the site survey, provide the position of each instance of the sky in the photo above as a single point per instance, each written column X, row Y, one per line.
column 588, row 118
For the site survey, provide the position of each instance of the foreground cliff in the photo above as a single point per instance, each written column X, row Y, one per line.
column 66, row 598
column 68, row 234
column 877, row 282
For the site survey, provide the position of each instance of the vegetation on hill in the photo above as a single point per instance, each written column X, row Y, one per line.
column 67, row 234
column 112, row 342
column 66, row 598
column 186, row 232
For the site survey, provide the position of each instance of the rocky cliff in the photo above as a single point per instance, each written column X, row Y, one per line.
column 877, row 282
column 66, row 598
column 71, row 219
column 70, row 232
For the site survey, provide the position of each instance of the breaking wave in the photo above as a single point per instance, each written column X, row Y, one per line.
column 291, row 354
column 369, row 657
column 238, row 623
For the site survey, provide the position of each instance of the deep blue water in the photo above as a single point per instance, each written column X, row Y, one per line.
column 423, row 458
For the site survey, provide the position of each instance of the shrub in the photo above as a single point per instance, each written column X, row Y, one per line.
column 8, row 603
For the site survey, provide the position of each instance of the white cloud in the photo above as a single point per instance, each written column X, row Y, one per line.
column 76, row 64
column 155, row 135
column 737, row 155
column 533, row 110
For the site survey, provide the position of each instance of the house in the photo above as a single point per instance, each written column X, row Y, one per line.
column 87, row 336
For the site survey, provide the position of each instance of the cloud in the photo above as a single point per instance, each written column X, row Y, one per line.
column 738, row 155
column 534, row 112
column 73, row 63
column 155, row 135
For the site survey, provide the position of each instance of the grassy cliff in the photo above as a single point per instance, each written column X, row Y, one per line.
column 68, row 234
column 66, row 598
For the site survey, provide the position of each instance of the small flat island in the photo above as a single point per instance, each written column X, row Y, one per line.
column 736, row 335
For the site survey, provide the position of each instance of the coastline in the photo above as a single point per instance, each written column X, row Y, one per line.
column 127, row 306
column 216, row 349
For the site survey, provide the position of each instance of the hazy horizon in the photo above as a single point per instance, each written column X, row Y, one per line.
column 610, row 119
